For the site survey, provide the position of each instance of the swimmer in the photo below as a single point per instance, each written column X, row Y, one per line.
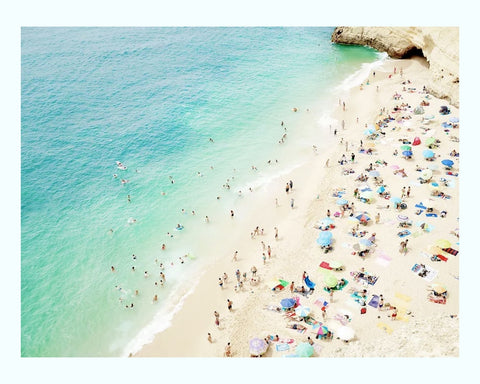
column 207, row 220
column 145, row 274
column 112, row 268
column 124, row 181
column 163, row 247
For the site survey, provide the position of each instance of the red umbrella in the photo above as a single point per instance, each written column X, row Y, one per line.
column 416, row 141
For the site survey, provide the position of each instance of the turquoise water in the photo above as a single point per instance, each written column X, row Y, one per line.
column 150, row 98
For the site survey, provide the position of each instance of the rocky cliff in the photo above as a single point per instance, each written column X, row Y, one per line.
column 439, row 45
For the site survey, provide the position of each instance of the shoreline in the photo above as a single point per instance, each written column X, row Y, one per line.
column 295, row 250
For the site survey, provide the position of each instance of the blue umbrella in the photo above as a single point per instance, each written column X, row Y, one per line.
column 365, row 242
column 363, row 218
column 407, row 153
column 447, row 162
column 374, row 173
column 342, row 201
column 427, row 153
column 381, row 189
column 446, row 125
column 396, row 200
column 288, row 303
column 327, row 221
column 369, row 131
column 454, row 119
column 324, row 238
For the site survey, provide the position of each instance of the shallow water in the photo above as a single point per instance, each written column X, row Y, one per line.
column 150, row 98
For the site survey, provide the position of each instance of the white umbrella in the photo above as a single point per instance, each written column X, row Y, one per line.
column 345, row 333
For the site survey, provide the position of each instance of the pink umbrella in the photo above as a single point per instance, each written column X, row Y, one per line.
column 395, row 167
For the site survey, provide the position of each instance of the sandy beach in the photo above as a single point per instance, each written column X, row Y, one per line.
column 414, row 321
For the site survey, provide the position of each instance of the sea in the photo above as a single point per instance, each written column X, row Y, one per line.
column 128, row 135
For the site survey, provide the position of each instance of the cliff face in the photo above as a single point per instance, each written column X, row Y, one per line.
column 439, row 45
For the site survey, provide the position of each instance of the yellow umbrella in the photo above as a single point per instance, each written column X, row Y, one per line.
column 434, row 250
column 439, row 288
column 442, row 243
column 370, row 145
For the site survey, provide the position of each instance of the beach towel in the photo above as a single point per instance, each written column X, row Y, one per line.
column 438, row 300
column 374, row 301
column 404, row 233
column 431, row 215
column 282, row 347
column 310, row 284
column 385, row 327
column 287, row 341
column 420, row 205
column 451, row 251
column 321, row 302
column 403, row 297
column 292, row 355
column 325, row 265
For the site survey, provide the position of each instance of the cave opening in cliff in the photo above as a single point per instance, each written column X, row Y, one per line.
column 414, row 52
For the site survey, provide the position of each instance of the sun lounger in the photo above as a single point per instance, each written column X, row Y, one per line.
column 451, row 251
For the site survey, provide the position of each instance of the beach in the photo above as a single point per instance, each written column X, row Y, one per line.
column 417, row 322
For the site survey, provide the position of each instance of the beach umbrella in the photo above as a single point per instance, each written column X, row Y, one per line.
column 322, row 330
column 447, row 162
column 304, row 350
column 374, row 173
column 258, row 346
column 429, row 117
column 302, row 311
column 353, row 219
column 366, row 195
column 442, row 243
column 454, row 119
column 327, row 221
column 324, row 238
column 288, row 303
column 336, row 264
column 363, row 217
column 345, row 333
column 439, row 288
column 369, row 131
column 428, row 154
column 381, row 189
column 407, row 153
column 402, row 217
column 433, row 167
column 396, row 200
column 365, row 242
column 342, row 201
column 416, row 141
column 431, row 141
column 419, row 110
column 426, row 174
column 330, row 280
column 406, row 148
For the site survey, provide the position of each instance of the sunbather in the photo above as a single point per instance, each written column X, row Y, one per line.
column 299, row 327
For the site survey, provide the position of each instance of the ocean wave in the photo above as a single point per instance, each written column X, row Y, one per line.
column 358, row 77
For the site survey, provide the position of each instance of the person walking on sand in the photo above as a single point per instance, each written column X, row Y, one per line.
column 292, row 287
column 326, row 164
column 276, row 233
column 235, row 254
column 269, row 252
column 220, row 282
column 209, row 337
column 408, row 192
column 276, row 203
column 228, row 350
column 377, row 218
column 229, row 304
column 231, row 214
column 287, row 188
column 264, row 258
column 254, row 271
column 292, row 202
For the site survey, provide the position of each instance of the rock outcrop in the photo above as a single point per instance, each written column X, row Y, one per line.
column 439, row 46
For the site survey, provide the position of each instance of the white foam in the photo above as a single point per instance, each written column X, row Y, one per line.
column 358, row 77
column 161, row 321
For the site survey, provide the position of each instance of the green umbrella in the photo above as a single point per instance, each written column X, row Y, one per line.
column 304, row 350
column 406, row 148
column 283, row 282
column 330, row 280
column 430, row 141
